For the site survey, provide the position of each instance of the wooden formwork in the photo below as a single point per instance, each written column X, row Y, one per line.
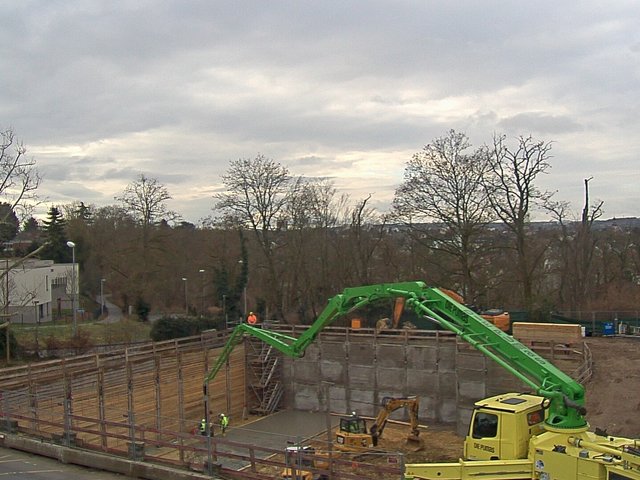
column 535, row 333
column 105, row 398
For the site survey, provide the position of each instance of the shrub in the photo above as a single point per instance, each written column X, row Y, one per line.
column 13, row 345
column 168, row 328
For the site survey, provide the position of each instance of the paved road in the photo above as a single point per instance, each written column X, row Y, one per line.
column 18, row 465
column 114, row 314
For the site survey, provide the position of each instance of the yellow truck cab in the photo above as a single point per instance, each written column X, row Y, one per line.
column 501, row 427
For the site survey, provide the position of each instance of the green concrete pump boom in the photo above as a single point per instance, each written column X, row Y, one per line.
column 565, row 396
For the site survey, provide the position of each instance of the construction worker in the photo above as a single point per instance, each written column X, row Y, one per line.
column 202, row 428
column 224, row 422
column 252, row 319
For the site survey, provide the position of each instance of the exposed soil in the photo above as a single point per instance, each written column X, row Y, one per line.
column 439, row 444
column 613, row 393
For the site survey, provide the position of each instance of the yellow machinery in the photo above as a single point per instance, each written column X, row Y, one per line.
column 507, row 439
column 354, row 436
column 300, row 462
column 390, row 405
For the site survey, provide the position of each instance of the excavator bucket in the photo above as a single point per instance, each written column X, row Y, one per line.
column 398, row 308
column 414, row 442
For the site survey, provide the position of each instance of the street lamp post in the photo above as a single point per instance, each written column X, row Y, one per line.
column 186, row 298
column 245, row 293
column 224, row 310
column 37, row 317
column 201, row 271
column 72, row 246
column 102, row 280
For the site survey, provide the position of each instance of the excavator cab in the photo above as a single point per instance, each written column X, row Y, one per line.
column 353, row 433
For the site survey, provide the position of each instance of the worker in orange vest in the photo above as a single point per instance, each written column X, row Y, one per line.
column 252, row 319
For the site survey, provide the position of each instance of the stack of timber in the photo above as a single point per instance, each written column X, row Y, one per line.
column 560, row 343
column 532, row 334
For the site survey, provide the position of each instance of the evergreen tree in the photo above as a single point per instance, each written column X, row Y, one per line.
column 30, row 226
column 55, row 233
column 84, row 213
column 8, row 223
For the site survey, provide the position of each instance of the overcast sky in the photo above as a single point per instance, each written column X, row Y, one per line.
column 103, row 91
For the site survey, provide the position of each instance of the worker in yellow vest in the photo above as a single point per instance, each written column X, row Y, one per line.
column 224, row 423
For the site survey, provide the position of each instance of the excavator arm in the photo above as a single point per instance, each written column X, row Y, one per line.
column 390, row 405
column 564, row 396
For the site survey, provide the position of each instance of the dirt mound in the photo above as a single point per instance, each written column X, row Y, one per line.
column 612, row 399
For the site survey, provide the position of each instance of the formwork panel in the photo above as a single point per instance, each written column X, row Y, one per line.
column 362, row 354
column 361, row 401
column 332, row 371
column 362, row 376
column 391, row 378
column 306, row 371
column 390, row 356
column 306, row 397
column 332, row 351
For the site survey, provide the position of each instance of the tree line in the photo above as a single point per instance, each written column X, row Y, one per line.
column 282, row 245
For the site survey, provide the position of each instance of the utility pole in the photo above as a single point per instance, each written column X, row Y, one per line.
column 72, row 246
column 186, row 297
column 102, row 280
column 201, row 271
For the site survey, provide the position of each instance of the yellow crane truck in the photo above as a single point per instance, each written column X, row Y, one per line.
column 538, row 436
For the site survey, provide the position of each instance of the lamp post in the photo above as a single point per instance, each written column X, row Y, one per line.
column 201, row 271
column 224, row 310
column 186, row 298
column 102, row 280
column 37, row 317
column 245, row 293
column 72, row 246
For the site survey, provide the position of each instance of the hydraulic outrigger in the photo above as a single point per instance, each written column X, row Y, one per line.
column 560, row 397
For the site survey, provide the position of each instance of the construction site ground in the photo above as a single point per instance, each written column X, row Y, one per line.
column 612, row 404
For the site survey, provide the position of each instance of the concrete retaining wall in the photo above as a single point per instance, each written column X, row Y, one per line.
column 351, row 372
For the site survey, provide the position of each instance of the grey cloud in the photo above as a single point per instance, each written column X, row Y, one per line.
column 169, row 84
column 541, row 123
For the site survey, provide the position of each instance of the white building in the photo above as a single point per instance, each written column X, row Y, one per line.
column 37, row 290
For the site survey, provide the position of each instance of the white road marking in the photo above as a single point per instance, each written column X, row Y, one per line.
column 30, row 471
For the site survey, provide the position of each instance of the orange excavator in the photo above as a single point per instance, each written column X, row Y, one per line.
column 499, row 318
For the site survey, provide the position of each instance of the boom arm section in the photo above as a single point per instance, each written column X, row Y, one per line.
column 390, row 405
column 565, row 395
column 351, row 299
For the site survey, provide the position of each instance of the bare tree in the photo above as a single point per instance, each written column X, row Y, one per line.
column 577, row 250
column 364, row 235
column 444, row 184
column 513, row 192
column 19, row 178
column 258, row 191
column 145, row 199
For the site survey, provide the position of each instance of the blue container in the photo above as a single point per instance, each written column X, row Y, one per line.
column 607, row 328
